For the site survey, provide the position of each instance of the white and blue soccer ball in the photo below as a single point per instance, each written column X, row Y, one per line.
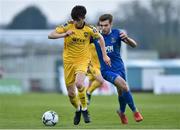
column 50, row 118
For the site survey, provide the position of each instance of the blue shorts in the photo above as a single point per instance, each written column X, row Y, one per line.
column 111, row 76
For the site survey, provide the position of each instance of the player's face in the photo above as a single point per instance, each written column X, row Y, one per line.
column 79, row 23
column 105, row 26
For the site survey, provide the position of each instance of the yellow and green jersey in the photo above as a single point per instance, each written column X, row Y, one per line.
column 76, row 46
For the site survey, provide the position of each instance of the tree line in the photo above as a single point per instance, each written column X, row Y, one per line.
column 155, row 27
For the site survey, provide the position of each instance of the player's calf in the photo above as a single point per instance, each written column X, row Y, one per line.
column 88, row 98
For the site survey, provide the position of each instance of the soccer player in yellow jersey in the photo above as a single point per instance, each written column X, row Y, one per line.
column 76, row 58
column 94, row 73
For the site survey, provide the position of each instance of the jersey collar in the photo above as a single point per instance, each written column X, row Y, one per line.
column 82, row 26
column 108, row 33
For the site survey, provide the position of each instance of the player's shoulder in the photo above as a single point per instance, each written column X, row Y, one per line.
column 68, row 23
column 88, row 25
column 116, row 30
column 91, row 27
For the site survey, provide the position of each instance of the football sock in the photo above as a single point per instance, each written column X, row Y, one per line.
column 129, row 100
column 75, row 102
column 82, row 97
column 122, row 103
column 95, row 84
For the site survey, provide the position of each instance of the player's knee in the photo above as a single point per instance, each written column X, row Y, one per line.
column 125, row 87
column 79, row 84
column 100, row 80
column 121, row 84
column 71, row 94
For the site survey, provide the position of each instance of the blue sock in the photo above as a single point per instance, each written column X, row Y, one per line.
column 129, row 100
column 122, row 103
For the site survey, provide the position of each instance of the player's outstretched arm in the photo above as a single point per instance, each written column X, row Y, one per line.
column 55, row 35
column 103, row 49
column 128, row 40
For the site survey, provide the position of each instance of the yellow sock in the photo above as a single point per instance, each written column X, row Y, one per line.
column 95, row 84
column 83, row 98
column 75, row 102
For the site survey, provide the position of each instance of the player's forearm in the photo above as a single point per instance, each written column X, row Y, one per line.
column 55, row 35
column 130, row 42
column 102, row 45
column 103, row 49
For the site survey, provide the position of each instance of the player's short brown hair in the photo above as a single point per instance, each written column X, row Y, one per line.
column 105, row 17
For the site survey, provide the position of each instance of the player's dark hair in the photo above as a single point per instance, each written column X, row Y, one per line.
column 78, row 12
column 105, row 17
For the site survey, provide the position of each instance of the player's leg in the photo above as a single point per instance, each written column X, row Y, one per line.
column 88, row 90
column 111, row 76
column 81, row 71
column 73, row 97
column 88, row 93
column 122, row 104
column 79, row 82
column 120, row 82
column 93, row 86
column 96, row 83
column 69, row 80
column 96, row 80
column 121, row 100
column 75, row 102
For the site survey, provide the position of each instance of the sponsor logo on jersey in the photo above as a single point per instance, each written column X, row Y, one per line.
column 109, row 49
column 78, row 40
column 86, row 34
column 113, row 40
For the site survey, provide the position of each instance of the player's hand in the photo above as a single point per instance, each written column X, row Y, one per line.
column 107, row 60
column 123, row 35
column 69, row 32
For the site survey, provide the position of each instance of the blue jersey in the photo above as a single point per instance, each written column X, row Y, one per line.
column 113, row 46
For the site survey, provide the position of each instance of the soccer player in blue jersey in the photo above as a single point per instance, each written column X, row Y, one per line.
column 116, row 73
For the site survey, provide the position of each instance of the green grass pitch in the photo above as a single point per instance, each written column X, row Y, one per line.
column 25, row 111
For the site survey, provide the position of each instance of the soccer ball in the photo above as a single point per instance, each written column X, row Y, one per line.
column 50, row 118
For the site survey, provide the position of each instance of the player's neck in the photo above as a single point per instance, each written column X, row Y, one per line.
column 109, row 32
column 80, row 27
